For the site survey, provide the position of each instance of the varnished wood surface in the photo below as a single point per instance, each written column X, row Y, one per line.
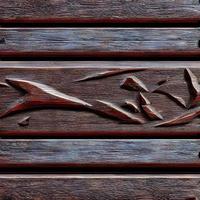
column 99, row 99
column 95, row 42
column 104, row 187
column 100, row 11
column 68, row 153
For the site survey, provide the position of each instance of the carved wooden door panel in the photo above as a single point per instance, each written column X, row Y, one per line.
column 99, row 100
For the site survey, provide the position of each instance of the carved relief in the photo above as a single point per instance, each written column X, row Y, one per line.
column 115, row 111
column 3, row 84
column 184, row 118
column 105, row 74
column 133, row 83
column 133, row 111
column 24, row 121
column 194, row 87
column 38, row 95
column 132, row 105
column 165, row 89
column 143, row 100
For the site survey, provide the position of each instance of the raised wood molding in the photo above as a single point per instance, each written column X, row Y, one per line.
column 99, row 153
column 100, row 42
column 81, row 187
column 100, row 11
column 103, row 99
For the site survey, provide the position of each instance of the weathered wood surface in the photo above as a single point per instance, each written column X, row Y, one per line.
column 104, row 187
column 93, row 42
column 99, row 99
column 100, row 11
column 95, row 153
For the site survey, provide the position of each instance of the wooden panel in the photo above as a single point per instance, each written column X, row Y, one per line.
column 104, row 187
column 100, row 11
column 134, row 42
column 100, row 153
column 99, row 99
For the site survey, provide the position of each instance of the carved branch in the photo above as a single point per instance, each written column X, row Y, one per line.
column 38, row 95
column 114, row 111
column 105, row 74
column 166, row 89
column 193, row 86
column 182, row 119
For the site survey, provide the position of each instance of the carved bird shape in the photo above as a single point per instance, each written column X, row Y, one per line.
column 40, row 95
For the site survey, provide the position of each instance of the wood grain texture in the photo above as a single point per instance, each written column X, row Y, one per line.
column 86, row 99
column 95, row 153
column 100, row 11
column 94, row 42
column 104, row 187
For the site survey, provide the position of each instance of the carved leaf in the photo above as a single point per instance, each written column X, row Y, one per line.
column 24, row 121
column 151, row 112
column 116, row 112
column 194, row 87
column 133, row 83
column 163, row 81
column 3, row 84
column 143, row 100
column 148, row 109
column 167, row 89
column 38, row 95
column 183, row 118
column 105, row 74
column 133, row 105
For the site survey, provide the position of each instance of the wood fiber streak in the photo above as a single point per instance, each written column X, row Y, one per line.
column 101, row 187
column 99, row 11
column 99, row 42
column 88, row 99
column 99, row 153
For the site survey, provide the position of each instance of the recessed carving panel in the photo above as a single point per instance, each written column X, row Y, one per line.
column 101, row 99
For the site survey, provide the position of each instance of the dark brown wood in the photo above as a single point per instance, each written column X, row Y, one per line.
column 100, row 11
column 86, row 99
column 94, row 42
column 95, row 153
column 104, row 187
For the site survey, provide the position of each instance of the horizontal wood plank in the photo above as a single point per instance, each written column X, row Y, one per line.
column 94, row 42
column 99, row 99
column 68, row 153
column 104, row 187
column 100, row 11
